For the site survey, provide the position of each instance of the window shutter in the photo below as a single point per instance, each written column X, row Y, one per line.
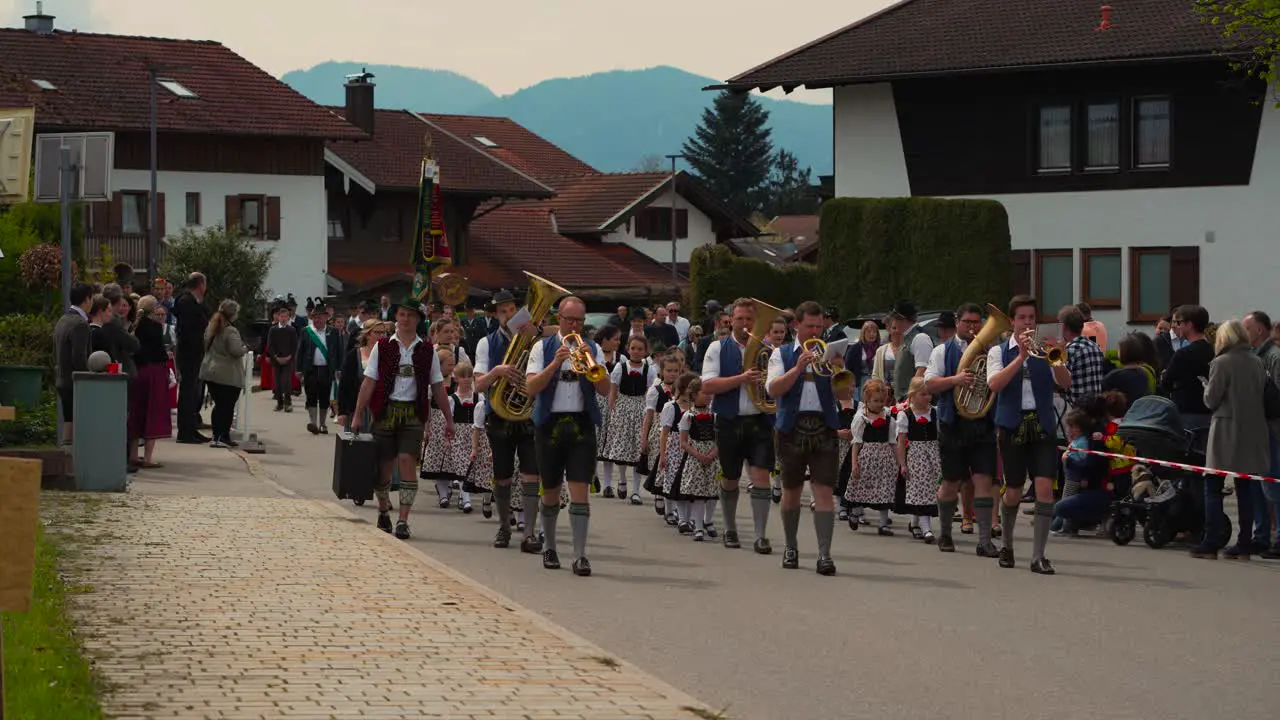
column 1184, row 276
column 682, row 223
column 160, row 214
column 642, row 224
column 233, row 212
column 99, row 218
column 1020, row 272
column 115, row 216
column 273, row 218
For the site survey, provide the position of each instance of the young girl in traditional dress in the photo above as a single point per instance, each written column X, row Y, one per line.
column 918, row 460
column 699, row 467
column 655, row 400
column 874, row 467
column 631, row 380
column 848, row 408
column 607, row 339
column 457, row 461
column 669, row 451
column 480, row 469
column 435, row 451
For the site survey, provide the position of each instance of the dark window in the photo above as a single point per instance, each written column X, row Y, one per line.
column 1054, row 123
column 257, row 216
column 654, row 223
column 1100, row 277
column 1020, row 272
column 1102, row 124
column 133, row 213
column 1152, row 132
column 251, row 216
column 1054, row 281
column 193, row 208
column 1161, row 277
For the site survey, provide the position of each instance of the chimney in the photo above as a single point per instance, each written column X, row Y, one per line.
column 360, row 100
column 39, row 23
column 555, row 226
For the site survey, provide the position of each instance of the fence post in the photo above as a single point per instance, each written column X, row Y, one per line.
column 248, row 440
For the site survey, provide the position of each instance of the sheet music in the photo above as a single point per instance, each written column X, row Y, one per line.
column 835, row 349
column 519, row 320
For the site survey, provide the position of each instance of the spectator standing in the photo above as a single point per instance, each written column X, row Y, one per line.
column 221, row 368
column 71, row 350
column 681, row 324
column 126, row 346
column 1085, row 360
column 1266, row 530
column 193, row 319
column 661, row 331
column 149, row 404
column 1182, row 381
column 1093, row 329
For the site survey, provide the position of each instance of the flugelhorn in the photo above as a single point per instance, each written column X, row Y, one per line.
column 840, row 377
column 1046, row 350
column 582, row 360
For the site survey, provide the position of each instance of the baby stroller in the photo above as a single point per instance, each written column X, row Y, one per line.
column 1165, row 501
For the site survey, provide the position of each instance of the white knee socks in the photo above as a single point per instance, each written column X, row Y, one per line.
column 699, row 513
column 709, row 513
column 925, row 523
column 884, row 518
column 622, row 475
column 608, row 475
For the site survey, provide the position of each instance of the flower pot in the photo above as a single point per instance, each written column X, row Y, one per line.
column 20, row 385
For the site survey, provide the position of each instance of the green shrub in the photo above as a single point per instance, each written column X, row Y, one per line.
column 27, row 340
column 717, row 274
column 935, row 252
column 32, row 428
column 234, row 267
column 23, row 226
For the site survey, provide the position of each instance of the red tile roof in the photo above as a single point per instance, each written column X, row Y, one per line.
column 101, row 83
column 795, row 227
column 929, row 37
column 514, row 144
column 588, row 203
column 393, row 158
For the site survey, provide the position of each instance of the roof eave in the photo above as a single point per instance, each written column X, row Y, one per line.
column 349, row 171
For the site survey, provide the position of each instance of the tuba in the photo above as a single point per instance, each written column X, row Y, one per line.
column 508, row 397
column 840, row 378
column 757, row 354
column 975, row 401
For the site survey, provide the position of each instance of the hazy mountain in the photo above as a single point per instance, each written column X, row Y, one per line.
column 439, row 91
column 612, row 120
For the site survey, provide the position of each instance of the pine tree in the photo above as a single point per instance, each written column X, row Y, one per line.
column 731, row 151
column 790, row 190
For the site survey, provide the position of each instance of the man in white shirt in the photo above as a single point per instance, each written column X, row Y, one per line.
column 913, row 358
column 565, row 418
column 401, row 380
column 967, row 447
column 1026, row 428
column 319, row 358
column 807, row 424
column 681, row 323
column 511, row 442
column 743, row 432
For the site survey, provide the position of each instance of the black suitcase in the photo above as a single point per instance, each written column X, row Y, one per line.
column 355, row 466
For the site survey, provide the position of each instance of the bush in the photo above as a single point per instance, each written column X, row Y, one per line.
column 937, row 253
column 234, row 267
column 33, row 427
column 717, row 274
column 23, row 226
column 27, row 340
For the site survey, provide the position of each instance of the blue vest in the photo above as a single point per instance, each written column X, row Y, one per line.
column 789, row 404
column 1009, row 401
column 542, row 403
column 725, row 405
column 497, row 352
column 947, row 400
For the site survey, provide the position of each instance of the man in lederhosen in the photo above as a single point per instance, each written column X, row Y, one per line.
column 967, row 447
column 565, row 418
column 512, row 442
column 1025, row 428
column 743, row 433
column 807, row 422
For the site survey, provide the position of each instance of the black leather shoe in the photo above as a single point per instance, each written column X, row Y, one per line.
column 550, row 560
column 402, row 530
column 503, row 537
column 731, row 539
column 790, row 558
column 946, row 544
column 987, row 550
column 1041, row 567
column 531, row 545
column 581, row 567
column 608, row 492
column 1006, row 557
column 762, row 546
column 384, row 522
column 826, row 566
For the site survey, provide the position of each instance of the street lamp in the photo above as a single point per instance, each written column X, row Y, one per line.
column 673, row 158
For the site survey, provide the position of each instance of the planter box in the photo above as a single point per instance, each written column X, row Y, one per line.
column 56, row 472
column 20, row 385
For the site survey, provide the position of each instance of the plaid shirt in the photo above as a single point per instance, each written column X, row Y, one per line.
column 1087, row 365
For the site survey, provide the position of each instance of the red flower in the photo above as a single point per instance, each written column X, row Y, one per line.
column 878, row 422
column 702, row 416
column 633, row 372
column 922, row 420
column 1112, row 428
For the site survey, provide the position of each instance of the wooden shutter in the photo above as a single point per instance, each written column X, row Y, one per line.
column 160, row 225
column 682, row 223
column 99, row 218
column 273, row 217
column 642, row 223
column 1020, row 272
column 1184, row 276
column 115, row 217
column 233, row 212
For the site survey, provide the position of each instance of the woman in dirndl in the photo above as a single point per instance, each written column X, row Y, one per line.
column 631, row 381
column 670, row 452
column 699, row 467
column 655, row 400
column 462, row 403
column 919, row 460
column 874, row 469
column 149, row 417
column 435, row 449
column 607, row 339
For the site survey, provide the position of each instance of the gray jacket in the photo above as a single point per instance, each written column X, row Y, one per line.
column 1238, row 436
column 70, row 347
column 222, row 364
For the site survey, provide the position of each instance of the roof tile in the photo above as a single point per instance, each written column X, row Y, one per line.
column 514, row 144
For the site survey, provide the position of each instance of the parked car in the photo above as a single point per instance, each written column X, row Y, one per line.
column 596, row 320
column 926, row 321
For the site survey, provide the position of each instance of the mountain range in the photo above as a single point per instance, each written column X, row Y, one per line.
column 612, row 120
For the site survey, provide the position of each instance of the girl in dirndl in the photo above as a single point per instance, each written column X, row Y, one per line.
column 631, row 380
column 698, row 481
column 848, row 408
column 918, row 460
column 480, row 471
column 655, row 400
column 874, row 468
column 669, row 452
column 462, row 402
column 607, row 339
column 435, row 451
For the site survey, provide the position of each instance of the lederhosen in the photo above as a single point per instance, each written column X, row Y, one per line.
column 565, row 441
column 739, row 438
column 511, row 442
column 1027, row 438
column 807, row 441
column 966, row 446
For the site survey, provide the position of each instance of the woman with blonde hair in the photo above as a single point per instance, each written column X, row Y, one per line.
column 149, row 401
column 1239, row 438
column 222, row 371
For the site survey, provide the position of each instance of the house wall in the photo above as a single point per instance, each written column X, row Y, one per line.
column 298, row 257
column 378, row 229
column 701, row 232
column 1203, row 210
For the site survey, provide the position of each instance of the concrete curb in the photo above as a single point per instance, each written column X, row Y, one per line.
column 587, row 647
column 258, row 472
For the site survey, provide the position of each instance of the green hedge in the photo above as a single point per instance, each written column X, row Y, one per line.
column 27, row 340
column 715, row 273
column 937, row 253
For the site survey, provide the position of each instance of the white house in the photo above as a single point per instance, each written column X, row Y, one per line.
column 1120, row 142
column 235, row 146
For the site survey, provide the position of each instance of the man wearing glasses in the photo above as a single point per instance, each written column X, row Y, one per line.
column 967, row 447
column 1183, row 380
column 565, row 418
column 681, row 324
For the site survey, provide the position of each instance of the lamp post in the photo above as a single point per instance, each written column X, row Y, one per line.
column 673, row 159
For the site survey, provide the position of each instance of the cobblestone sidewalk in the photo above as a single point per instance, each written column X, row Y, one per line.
column 274, row 608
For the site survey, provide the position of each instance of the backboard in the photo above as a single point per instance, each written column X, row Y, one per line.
column 17, row 129
column 92, row 155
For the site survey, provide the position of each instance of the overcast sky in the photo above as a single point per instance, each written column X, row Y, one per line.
column 505, row 44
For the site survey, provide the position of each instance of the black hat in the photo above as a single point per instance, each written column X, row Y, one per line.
column 712, row 306
column 502, row 296
column 946, row 319
column 291, row 301
column 316, row 306
column 832, row 312
column 905, row 309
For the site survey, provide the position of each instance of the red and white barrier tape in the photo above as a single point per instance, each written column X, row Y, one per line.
column 1178, row 465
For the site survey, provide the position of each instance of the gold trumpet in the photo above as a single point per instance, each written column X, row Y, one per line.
column 840, row 378
column 1050, row 352
column 581, row 360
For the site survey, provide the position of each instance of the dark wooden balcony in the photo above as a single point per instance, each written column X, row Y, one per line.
column 127, row 248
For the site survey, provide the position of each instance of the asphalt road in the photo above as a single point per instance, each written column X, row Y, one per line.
column 901, row 631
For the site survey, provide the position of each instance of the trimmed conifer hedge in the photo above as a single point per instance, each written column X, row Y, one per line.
column 937, row 253
column 715, row 273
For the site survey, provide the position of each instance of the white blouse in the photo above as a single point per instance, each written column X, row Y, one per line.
column 862, row 419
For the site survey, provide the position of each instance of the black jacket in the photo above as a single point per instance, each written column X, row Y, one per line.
column 193, row 318
column 1164, row 350
column 350, row 381
column 307, row 350
column 123, row 345
column 281, row 342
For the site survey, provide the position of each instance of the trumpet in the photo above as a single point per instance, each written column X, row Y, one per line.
column 840, row 377
column 581, row 360
column 1050, row 352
